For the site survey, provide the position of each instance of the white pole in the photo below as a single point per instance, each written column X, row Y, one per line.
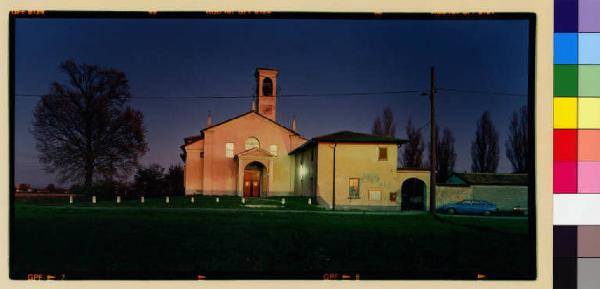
column 192, row 199
column 118, row 199
column 167, row 199
column 70, row 199
column 93, row 199
column 309, row 201
column 282, row 201
column 142, row 199
column 217, row 199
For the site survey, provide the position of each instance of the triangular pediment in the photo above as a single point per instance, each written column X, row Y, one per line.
column 256, row 115
column 254, row 152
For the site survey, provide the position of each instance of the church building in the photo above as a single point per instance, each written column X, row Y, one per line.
column 252, row 155
column 246, row 155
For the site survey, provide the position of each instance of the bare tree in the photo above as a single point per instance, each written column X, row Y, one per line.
column 84, row 129
column 485, row 153
column 377, row 127
column 446, row 155
column 412, row 155
column 518, row 140
column 384, row 125
column 389, row 127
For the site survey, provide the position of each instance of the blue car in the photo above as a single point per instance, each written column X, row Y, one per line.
column 470, row 207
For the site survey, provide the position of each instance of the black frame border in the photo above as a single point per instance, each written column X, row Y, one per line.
column 365, row 275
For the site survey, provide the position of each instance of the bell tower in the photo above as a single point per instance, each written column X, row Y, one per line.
column 266, row 85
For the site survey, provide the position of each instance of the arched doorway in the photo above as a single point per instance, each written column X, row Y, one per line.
column 413, row 194
column 254, row 174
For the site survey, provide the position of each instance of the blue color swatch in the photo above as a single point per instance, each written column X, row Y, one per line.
column 565, row 48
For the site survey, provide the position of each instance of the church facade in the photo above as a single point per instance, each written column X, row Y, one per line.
column 246, row 155
column 252, row 155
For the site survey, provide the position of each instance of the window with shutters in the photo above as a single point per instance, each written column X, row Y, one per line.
column 374, row 195
column 383, row 154
column 353, row 186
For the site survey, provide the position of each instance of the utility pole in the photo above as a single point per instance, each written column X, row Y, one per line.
column 433, row 146
column 333, row 195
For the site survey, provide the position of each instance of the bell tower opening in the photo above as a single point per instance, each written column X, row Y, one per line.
column 266, row 79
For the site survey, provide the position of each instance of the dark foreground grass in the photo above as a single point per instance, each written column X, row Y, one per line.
column 158, row 243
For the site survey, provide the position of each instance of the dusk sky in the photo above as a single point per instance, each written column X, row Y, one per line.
column 173, row 58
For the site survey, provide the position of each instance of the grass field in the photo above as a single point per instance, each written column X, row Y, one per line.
column 121, row 241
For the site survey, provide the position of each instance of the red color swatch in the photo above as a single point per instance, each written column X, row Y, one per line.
column 565, row 144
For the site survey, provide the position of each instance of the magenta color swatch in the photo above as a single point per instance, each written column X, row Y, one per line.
column 565, row 177
column 589, row 11
column 589, row 177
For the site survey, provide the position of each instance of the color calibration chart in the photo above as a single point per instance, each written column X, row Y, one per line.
column 576, row 144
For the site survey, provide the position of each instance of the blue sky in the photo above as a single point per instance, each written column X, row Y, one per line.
column 210, row 57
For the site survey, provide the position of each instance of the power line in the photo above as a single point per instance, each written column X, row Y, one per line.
column 300, row 95
column 310, row 95
column 425, row 125
column 480, row 92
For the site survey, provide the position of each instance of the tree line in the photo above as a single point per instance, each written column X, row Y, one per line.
column 485, row 148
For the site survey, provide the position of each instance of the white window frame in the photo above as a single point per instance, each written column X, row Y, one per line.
column 274, row 149
column 229, row 150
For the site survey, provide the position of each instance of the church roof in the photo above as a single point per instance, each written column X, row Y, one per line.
column 493, row 179
column 266, row 68
column 350, row 137
column 194, row 138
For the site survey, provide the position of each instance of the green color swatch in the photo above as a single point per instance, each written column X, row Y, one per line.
column 589, row 80
column 565, row 80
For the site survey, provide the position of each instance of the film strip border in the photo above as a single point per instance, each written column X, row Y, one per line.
column 576, row 143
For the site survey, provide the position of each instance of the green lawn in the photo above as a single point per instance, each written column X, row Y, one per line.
column 100, row 242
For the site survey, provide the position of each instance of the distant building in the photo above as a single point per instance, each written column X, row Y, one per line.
column 24, row 188
column 507, row 190
column 252, row 155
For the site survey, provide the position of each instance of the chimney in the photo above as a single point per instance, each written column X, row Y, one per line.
column 294, row 123
column 254, row 105
column 209, row 120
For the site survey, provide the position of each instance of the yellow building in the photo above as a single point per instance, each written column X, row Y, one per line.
column 362, row 170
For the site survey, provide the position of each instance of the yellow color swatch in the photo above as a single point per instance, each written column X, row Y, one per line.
column 565, row 112
column 589, row 112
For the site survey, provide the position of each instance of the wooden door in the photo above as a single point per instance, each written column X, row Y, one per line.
column 251, row 184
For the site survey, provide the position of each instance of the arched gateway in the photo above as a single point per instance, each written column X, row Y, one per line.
column 413, row 194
